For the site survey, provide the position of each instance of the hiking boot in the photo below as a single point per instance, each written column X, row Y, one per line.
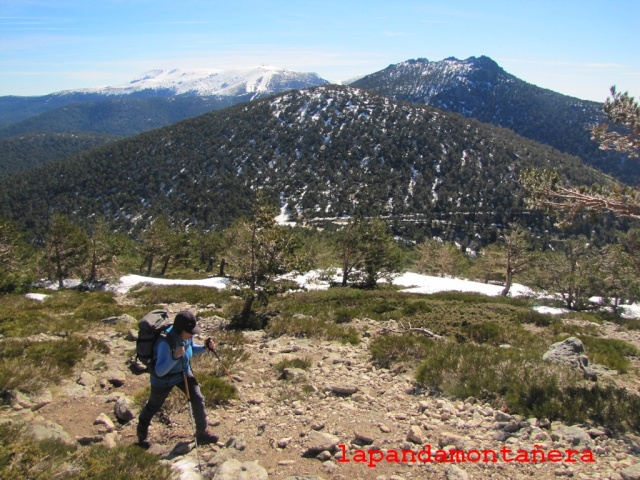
column 144, row 444
column 142, row 437
column 206, row 437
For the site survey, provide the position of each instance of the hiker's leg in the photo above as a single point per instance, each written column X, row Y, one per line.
column 157, row 398
column 197, row 404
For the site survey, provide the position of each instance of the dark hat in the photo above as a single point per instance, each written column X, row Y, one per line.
column 185, row 321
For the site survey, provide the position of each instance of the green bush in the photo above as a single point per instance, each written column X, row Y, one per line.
column 344, row 315
column 65, row 311
column 302, row 363
column 536, row 318
column 386, row 350
column 488, row 332
column 216, row 391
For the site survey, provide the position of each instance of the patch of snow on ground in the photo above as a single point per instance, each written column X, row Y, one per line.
column 129, row 281
column 36, row 296
column 418, row 283
column 550, row 310
column 317, row 280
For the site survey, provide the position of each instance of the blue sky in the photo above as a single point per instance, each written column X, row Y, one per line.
column 575, row 47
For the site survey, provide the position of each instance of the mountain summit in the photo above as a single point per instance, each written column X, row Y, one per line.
column 479, row 88
column 259, row 81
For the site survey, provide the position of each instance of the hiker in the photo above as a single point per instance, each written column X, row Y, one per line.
column 171, row 366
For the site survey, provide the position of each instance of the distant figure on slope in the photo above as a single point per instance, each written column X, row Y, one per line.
column 171, row 367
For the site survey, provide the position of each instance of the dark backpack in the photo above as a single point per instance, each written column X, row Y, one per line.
column 152, row 326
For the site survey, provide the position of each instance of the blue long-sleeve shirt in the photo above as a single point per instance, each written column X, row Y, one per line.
column 169, row 370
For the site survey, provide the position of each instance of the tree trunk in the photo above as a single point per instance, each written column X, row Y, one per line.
column 246, row 310
column 508, row 281
column 165, row 265
column 150, row 265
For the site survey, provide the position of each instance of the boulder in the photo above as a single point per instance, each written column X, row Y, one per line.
column 317, row 442
column 631, row 473
column 123, row 410
column 235, row 470
column 570, row 352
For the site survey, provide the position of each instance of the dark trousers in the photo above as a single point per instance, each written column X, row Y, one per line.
column 159, row 395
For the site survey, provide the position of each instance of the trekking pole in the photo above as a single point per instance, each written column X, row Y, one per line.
column 233, row 382
column 193, row 421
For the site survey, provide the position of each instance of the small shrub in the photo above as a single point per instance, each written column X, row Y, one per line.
column 415, row 308
column 344, row 315
column 302, row 363
column 536, row 318
column 609, row 352
column 487, row 332
column 312, row 328
column 389, row 349
column 217, row 391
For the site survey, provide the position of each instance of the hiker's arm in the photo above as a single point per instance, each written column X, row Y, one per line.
column 165, row 361
column 197, row 349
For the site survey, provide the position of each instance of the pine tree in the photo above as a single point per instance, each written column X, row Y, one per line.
column 258, row 251
column 15, row 258
column 66, row 247
column 548, row 190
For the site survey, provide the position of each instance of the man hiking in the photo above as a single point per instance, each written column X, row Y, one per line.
column 173, row 368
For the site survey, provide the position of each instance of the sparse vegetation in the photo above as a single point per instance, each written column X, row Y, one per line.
column 302, row 363
column 21, row 456
column 519, row 380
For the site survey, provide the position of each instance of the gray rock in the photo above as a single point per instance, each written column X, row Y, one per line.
column 123, row 410
column 119, row 319
column 238, row 443
column 304, row 477
column 570, row 352
column 221, row 457
column 235, row 470
column 456, row 473
column 631, row 473
column 574, row 435
column 89, row 439
column 294, row 374
column 448, row 438
column 104, row 420
column 364, row 437
column 317, row 442
column 345, row 390
column 51, row 430
column 110, row 440
column 30, row 401
column 86, row 379
column 415, row 435
column 116, row 378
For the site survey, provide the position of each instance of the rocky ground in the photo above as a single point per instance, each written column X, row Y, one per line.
column 342, row 418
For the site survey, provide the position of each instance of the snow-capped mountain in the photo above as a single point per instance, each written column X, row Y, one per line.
column 479, row 88
column 259, row 81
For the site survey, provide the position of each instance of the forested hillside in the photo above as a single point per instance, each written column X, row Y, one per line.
column 325, row 152
column 24, row 152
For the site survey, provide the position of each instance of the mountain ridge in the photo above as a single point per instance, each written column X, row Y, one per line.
column 479, row 88
column 207, row 82
column 324, row 152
